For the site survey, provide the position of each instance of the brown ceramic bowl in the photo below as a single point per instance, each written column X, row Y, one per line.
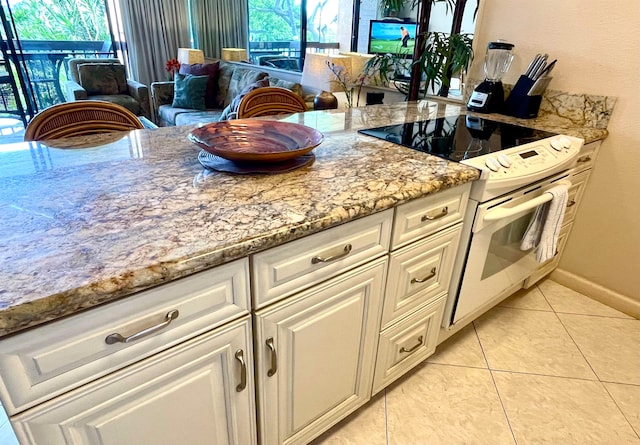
column 249, row 140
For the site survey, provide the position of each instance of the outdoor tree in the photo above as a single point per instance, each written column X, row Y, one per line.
column 61, row 19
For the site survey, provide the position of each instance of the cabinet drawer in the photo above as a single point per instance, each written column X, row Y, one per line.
column 425, row 216
column 39, row 364
column 407, row 343
column 420, row 272
column 187, row 394
column 587, row 156
column 578, row 184
column 283, row 270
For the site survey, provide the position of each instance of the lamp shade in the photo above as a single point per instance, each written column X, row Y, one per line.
column 358, row 61
column 316, row 72
column 190, row 56
column 234, row 54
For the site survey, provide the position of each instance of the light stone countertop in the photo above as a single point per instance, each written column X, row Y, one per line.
column 81, row 227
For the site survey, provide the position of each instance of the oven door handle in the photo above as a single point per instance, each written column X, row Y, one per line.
column 505, row 212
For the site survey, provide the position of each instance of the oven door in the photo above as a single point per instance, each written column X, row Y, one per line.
column 496, row 262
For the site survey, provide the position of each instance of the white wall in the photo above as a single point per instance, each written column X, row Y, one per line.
column 597, row 44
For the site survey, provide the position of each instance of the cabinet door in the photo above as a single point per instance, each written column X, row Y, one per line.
column 194, row 393
column 315, row 355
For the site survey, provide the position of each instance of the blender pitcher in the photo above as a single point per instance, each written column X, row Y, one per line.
column 488, row 97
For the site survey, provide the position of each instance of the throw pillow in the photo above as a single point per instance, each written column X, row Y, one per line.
column 241, row 78
column 231, row 110
column 102, row 78
column 293, row 86
column 189, row 91
column 209, row 69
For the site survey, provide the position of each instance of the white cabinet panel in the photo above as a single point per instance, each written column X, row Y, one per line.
column 407, row 343
column 321, row 344
column 289, row 268
column 419, row 272
column 185, row 395
column 424, row 216
column 39, row 364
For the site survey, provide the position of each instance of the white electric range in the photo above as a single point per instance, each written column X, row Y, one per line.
column 518, row 166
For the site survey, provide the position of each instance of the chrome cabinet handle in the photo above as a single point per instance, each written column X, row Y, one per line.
column 584, row 159
column 427, row 278
column 117, row 338
column 571, row 203
column 413, row 348
column 445, row 212
column 274, row 358
column 243, row 370
column 344, row 253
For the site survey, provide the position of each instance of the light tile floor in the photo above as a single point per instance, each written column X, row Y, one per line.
column 547, row 366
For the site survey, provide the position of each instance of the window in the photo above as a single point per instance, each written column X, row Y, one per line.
column 280, row 31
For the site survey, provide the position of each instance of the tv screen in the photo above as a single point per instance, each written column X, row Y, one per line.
column 392, row 37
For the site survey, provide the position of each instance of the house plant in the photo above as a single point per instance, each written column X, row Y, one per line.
column 444, row 55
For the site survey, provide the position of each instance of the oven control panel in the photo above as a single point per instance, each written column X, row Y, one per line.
column 521, row 165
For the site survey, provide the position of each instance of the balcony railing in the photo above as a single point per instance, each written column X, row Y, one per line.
column 45, row 63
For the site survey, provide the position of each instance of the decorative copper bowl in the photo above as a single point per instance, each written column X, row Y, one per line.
column 249, row 140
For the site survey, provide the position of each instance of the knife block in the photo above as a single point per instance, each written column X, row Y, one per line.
column 518, row 104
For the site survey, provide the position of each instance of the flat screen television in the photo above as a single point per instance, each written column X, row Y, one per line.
column 392, row 37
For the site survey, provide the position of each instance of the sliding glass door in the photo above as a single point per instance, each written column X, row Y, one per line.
column 281, row 31
column 40, row 36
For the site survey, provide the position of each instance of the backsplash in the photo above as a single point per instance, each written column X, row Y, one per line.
column 583, row 110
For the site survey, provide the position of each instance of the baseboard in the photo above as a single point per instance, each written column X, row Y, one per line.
column 611, row 298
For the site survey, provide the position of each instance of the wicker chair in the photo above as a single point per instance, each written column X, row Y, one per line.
column 80, row 118
column 269, row 101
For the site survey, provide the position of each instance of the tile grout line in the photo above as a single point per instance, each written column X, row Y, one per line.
column 585, row 358
column 495, row 386
column 637, row 433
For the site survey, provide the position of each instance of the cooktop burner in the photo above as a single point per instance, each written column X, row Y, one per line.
column 457, row 138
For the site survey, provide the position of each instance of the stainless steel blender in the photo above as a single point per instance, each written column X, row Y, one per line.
column 488, row 97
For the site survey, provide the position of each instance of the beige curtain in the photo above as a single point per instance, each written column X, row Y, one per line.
column 219, row 24
column 154, row 30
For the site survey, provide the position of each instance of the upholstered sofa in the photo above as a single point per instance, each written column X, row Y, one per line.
column 105, row 79
column 232, row 79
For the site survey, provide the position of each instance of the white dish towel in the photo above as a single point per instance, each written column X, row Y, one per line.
column 545, row 224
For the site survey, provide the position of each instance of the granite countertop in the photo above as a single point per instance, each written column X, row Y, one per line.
column 130, row 211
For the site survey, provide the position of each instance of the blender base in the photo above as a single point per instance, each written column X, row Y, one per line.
column 487, row 97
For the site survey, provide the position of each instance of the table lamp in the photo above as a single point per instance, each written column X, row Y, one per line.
column 316, row 73
column 234, row 54
column 189, row 56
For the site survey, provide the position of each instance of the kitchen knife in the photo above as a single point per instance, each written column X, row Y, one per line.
column 536, row 67
column 536, row 73
column 547, row 69
column 531, row 65
column 539, row 86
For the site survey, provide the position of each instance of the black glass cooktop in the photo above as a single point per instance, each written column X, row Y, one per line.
column 457, row 137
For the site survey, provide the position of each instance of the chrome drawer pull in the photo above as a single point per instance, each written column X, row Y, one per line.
column 344, row 253
column 403, row 350
column 571, row 203
column 445, row 212
column 117, row 338
column 427, row 278
column 274, row 358
column 584, row 159
column 243, row 370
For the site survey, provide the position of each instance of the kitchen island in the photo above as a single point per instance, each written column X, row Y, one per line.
column 86, row 226
column 136, row 216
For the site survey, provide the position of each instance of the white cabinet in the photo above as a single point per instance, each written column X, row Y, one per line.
column 315, row 354
column 198, row 393
column 49, row 360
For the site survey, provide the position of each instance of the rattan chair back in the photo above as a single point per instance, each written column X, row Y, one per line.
column 80, row 118
column 269, row 101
